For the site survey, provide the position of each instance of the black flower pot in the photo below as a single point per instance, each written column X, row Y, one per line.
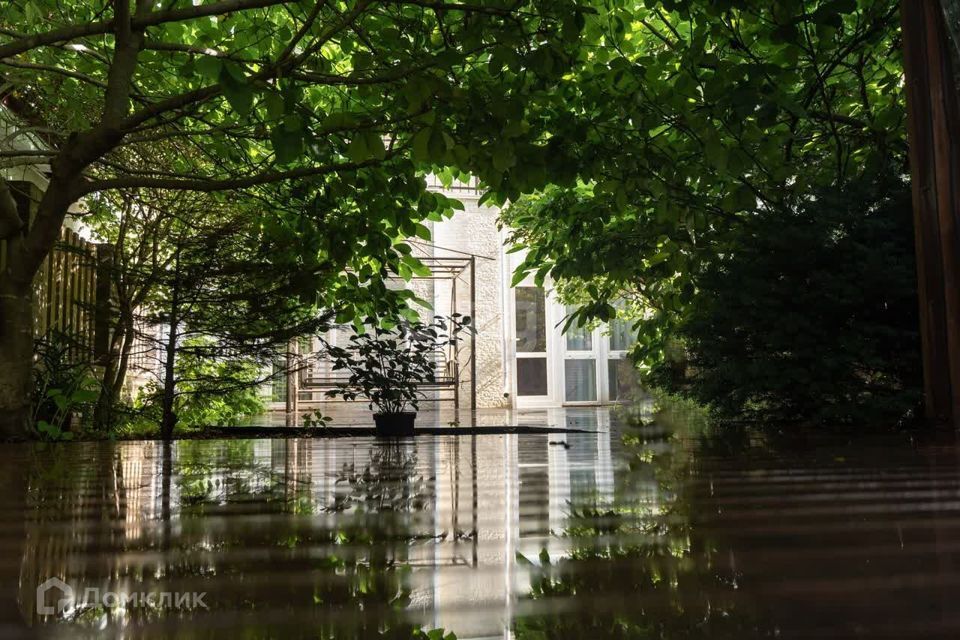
column 394, row 424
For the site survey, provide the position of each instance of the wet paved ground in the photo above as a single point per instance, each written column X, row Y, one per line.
column 627, row 533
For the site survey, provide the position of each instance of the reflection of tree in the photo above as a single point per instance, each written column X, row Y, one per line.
column 389, row 482
column 351, row 575
column 636, row 569
column 377, row 509
column 218, row 517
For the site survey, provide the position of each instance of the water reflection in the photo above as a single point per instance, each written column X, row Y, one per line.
column 619, row 532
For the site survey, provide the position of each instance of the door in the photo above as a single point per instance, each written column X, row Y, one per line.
column 581, row 351
column 532, row 345
column 619, row 369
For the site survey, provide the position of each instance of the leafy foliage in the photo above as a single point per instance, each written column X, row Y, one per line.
column 811, row 314
column 211, row 389
column 388, row 365
column 63, row 387
column 691, row 122
column 306, row 125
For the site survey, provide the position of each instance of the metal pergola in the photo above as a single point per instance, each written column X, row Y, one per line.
column 460, row 272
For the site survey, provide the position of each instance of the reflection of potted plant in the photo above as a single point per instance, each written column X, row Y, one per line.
column 388, row 365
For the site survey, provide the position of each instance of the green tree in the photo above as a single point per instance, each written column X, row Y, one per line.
column 809, row 315
column 691, row 119
column 238, row 94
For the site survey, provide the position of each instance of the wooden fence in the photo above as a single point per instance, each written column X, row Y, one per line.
column 65, row 289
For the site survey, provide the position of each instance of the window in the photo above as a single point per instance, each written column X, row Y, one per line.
column 532, row 377
column 622, row 335
column 581, row 380
column 531, row 317
column 578, row 338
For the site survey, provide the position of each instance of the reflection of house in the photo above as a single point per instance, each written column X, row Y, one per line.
column 250, row 523
column 523, row 360
column 493, row 497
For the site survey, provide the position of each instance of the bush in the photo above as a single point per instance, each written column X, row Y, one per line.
column 64, row 390
column 212, row 390
column 810, row 314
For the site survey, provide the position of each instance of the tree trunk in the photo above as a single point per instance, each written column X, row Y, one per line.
column 16, row 362
column 114, row 373
column 103, row 414
column 934, row 127
column 169, row 420
column 121, row 375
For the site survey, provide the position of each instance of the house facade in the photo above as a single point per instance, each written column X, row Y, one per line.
column 519, row 357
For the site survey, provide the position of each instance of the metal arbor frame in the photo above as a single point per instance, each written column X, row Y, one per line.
column 452, row 269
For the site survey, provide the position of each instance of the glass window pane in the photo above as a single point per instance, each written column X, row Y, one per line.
column 580, row 380
column 531, row 376
column 578, row 338
column 278, row 385
column 622, row 335
column 531, row 320
column 613, row 375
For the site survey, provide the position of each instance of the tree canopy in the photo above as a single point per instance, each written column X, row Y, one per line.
column 648, row 131
column 692, row 125
column 689, row 118
column 339, row 107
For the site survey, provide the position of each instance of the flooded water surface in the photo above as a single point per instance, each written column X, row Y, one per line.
column 617, row 532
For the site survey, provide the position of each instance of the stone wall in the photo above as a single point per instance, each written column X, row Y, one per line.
column 474, row 231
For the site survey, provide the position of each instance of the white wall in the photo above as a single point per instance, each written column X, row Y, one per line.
column 474, row 231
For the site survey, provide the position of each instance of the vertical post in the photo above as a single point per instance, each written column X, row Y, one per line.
column 49, row 302
column 473, row 336
column 73, row 291
column 292, row 386
column 91, row 295
column 102, row 303
column 455, row 348
column 934, row 130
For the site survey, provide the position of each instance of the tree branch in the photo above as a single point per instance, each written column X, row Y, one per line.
column 76, row 75
column 209, row 185
column 10, row 221
column 271, row 71
column 139, row 23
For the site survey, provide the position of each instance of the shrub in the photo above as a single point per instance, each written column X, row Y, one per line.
column 810, row 314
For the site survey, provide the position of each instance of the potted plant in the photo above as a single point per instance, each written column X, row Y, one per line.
column 387, row 365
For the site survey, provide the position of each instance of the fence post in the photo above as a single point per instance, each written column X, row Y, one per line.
column 102, row 303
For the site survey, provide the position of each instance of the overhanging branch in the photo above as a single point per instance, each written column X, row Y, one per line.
column 209, row 185
column 138, row 23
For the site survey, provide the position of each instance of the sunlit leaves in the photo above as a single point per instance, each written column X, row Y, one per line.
column 236, row 88
column 366, row 145
column 689, row 116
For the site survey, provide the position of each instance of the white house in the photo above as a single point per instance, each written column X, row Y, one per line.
column 522, row 358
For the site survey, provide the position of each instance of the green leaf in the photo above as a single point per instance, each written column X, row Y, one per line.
column 358, row 151
column 415, row 266
column 420, row 145
column 238, row 92
column 518, row 276
column 209, row 67
column 503, row 157
column 274, row 104
column 437, row 144
column 423, row 232
column 287, row 144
